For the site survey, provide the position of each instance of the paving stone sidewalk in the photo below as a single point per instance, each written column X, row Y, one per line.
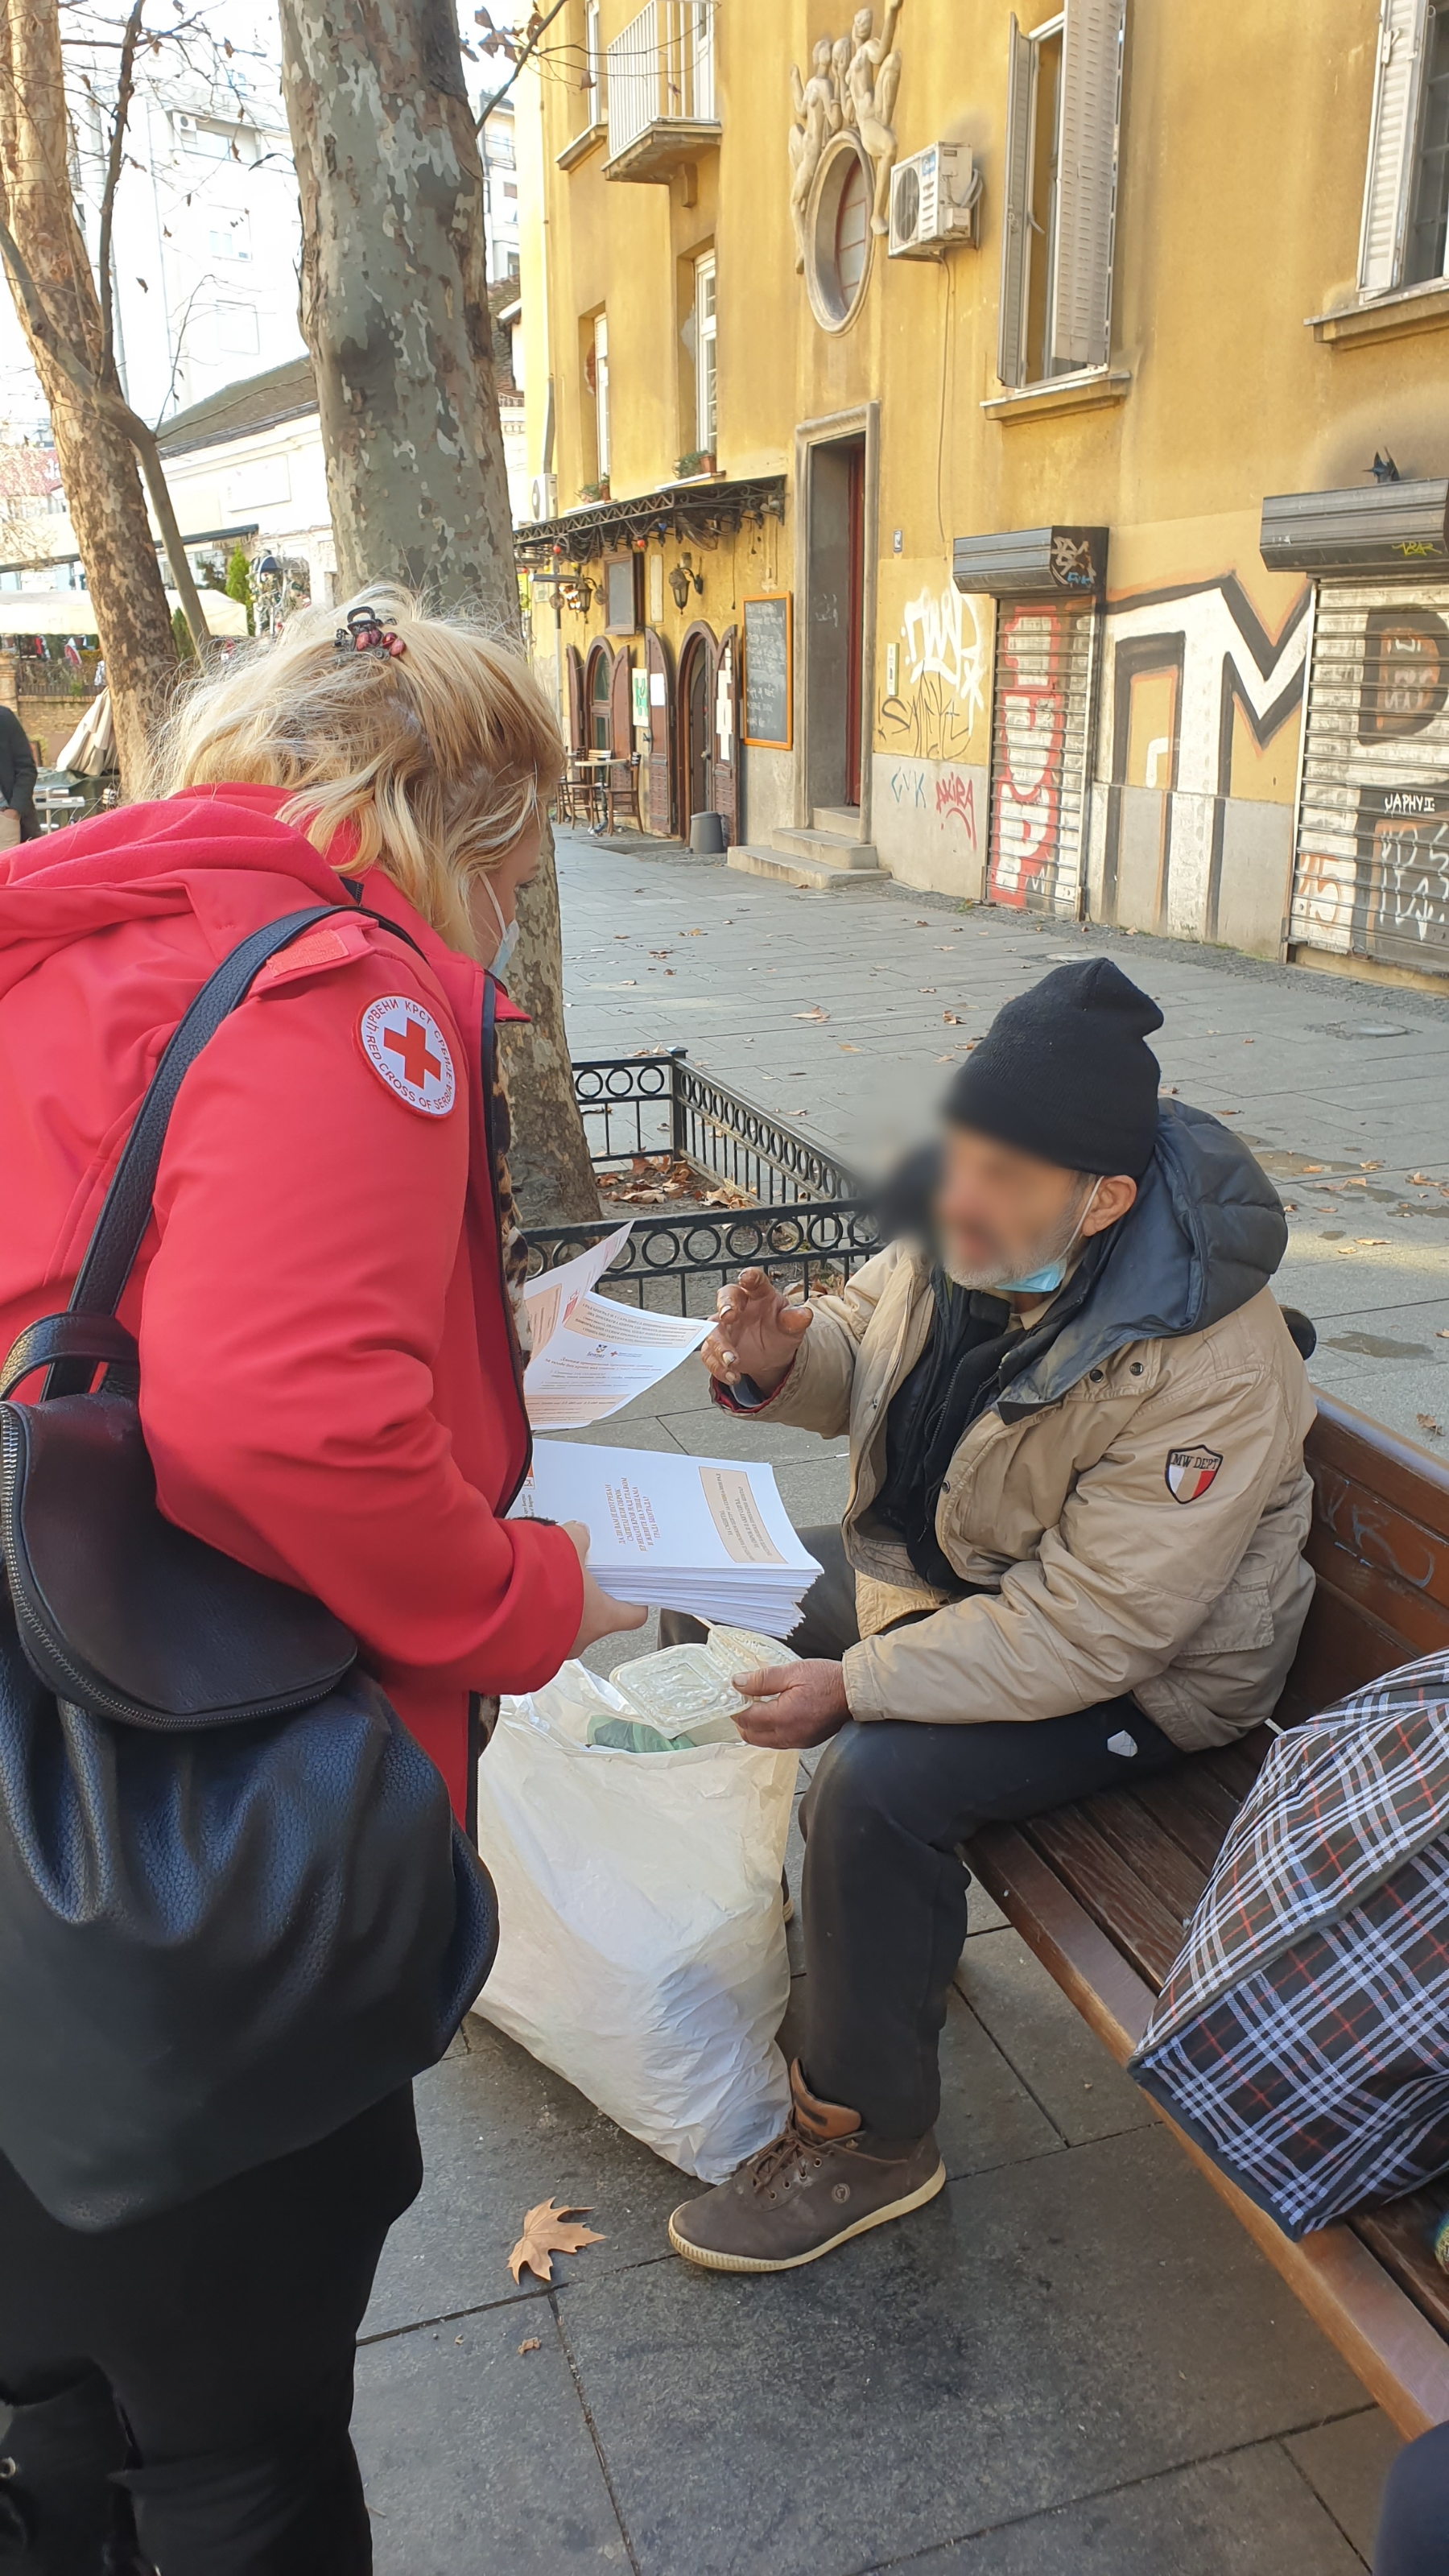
column 1073, row 2363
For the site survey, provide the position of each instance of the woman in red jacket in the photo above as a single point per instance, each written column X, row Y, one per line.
column 331, row 1392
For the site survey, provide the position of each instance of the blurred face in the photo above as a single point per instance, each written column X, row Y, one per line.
column 1004, row 1214
column 517, row 867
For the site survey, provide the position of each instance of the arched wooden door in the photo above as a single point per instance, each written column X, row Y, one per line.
column 659, row 811
column 598, row 697
column 697, row 658
column 725, row 739
column 621, row 705
column 574, row 685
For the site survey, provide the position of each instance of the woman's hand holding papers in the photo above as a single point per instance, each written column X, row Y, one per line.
column 603, row 1616
column 758, row 1333
column 796, row 1705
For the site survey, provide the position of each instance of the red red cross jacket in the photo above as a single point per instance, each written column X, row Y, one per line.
column 327, row 1381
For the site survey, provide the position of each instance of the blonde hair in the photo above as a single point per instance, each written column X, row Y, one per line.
column 437, row 758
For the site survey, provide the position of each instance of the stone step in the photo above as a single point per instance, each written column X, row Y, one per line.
column 831, row 849
column 844, row 819
column 802, row 868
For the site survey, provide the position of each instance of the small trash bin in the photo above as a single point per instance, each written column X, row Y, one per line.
column 707, row 836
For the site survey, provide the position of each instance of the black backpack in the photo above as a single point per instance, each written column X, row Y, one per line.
column 235, row 1908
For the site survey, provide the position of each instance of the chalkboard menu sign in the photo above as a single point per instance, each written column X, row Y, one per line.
column 769, row 692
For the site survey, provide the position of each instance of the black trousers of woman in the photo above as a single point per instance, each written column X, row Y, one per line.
column 194, row 2370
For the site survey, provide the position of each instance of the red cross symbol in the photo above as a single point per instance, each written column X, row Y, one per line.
column 412, row 1046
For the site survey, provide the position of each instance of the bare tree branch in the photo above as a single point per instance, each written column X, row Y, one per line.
column 125, row 86
column 523, row 57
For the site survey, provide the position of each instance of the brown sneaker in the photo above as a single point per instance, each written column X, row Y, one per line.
column 824, row 2179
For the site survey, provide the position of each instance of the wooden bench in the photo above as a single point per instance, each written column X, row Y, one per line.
column 1101, row 1891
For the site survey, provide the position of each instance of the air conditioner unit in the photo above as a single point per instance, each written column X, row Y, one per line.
column 543, row 496
column 934, row 197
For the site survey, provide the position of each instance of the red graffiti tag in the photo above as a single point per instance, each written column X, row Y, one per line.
column 956, row 800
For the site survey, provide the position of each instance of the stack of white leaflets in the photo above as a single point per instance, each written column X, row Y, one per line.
column 591, row 1354
column 706, row 1535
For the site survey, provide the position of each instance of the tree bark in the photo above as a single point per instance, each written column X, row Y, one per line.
column 394, row 309
column 97, row 461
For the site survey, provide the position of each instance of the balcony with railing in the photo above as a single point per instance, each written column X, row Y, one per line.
column 661, row 91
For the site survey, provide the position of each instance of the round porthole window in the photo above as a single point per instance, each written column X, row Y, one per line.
column 839, row 233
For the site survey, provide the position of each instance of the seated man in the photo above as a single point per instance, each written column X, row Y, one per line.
column 1072, row 1551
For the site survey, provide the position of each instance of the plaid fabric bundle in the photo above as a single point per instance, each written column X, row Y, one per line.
column 1302, row 2039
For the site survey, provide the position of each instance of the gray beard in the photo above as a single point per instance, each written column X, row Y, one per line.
column 1048, row 1247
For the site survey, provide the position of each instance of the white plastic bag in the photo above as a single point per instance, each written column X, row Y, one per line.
column 643, row 1942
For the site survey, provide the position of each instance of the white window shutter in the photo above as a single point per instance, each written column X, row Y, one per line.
column 1392, row 132
column 1080, row 320
column 1011, row 329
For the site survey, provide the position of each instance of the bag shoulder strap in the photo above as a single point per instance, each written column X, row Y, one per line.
column 126, row 1211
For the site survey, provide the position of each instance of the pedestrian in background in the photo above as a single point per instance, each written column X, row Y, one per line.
column 331, row 1393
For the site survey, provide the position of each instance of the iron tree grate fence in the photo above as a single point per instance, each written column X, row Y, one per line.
column 811, row 1222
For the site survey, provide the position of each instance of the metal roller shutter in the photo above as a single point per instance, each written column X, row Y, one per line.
column 1040, row 753
column 1371, row 871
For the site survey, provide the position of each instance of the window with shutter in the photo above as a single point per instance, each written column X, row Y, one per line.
column 1011, row 337
column 1060, row 188
column 1091, row 81
column 1393, row 133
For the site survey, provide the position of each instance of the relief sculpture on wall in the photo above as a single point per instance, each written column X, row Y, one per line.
column 852, row 86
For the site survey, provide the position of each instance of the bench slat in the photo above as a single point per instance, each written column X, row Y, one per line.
column 1398, row 2234
column 1343, row 1647
column 1195, row 1807
column 1412, row 1614
column 1149, row 1851
column 1388, row 1539
column 1147, row 1932
column 1405, row 1475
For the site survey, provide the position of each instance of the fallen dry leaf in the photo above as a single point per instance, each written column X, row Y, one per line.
column 1426, row 1422
column 1314, row 1167
column 952, row 1019
column 925, row 988
column 548, row 2231
column 816, row 1014
column 1371, row 1239
column 846, row 1048
column 1421, row 1180
column 1442, row 1335
column 1371, row 1167
column 1290, row 1207
column 530, row 2343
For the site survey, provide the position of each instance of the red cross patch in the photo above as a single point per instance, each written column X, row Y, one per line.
column 408, row 1051
column 1190, row 1472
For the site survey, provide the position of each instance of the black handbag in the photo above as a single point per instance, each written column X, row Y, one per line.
column 235, row 1908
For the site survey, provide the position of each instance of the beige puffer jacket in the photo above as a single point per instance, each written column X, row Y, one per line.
column 1143, row 1532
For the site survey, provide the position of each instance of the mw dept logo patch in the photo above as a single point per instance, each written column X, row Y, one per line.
column 1190, row 1472
column 408, row 1051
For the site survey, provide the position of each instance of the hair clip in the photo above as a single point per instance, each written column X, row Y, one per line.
column 364, row 632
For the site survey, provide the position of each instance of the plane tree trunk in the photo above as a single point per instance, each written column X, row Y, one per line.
column 62, row 318
column 394, row 309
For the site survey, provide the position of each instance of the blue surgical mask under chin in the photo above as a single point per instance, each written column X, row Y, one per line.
column 1046, row 1281
column 507, row 935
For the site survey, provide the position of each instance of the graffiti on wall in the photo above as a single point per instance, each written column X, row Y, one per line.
column 1380, row 886
column 1027, row 751
column 1185, row 668
column 956, row 803
column 937, row 692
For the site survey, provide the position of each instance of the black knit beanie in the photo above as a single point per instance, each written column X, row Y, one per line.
column 1064, row 1071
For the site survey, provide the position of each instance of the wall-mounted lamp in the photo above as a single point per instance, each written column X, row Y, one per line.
column 679, row 584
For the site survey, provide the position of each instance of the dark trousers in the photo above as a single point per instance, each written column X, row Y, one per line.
column 199, row 2364
column 1414, row 2523
column 884, row 1894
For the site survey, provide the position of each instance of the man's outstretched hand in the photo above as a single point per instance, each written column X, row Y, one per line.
column 757, row 1334
column 795, row 1705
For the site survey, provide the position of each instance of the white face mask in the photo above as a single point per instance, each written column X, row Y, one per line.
column 1048, row 1279
column 507, row 932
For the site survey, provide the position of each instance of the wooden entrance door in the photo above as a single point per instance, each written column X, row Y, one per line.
column 660, row 808
column 725, row 737
column 696, row 698
column 855, row 621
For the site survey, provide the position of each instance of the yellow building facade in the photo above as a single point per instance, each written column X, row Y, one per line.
column 1008, row 450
